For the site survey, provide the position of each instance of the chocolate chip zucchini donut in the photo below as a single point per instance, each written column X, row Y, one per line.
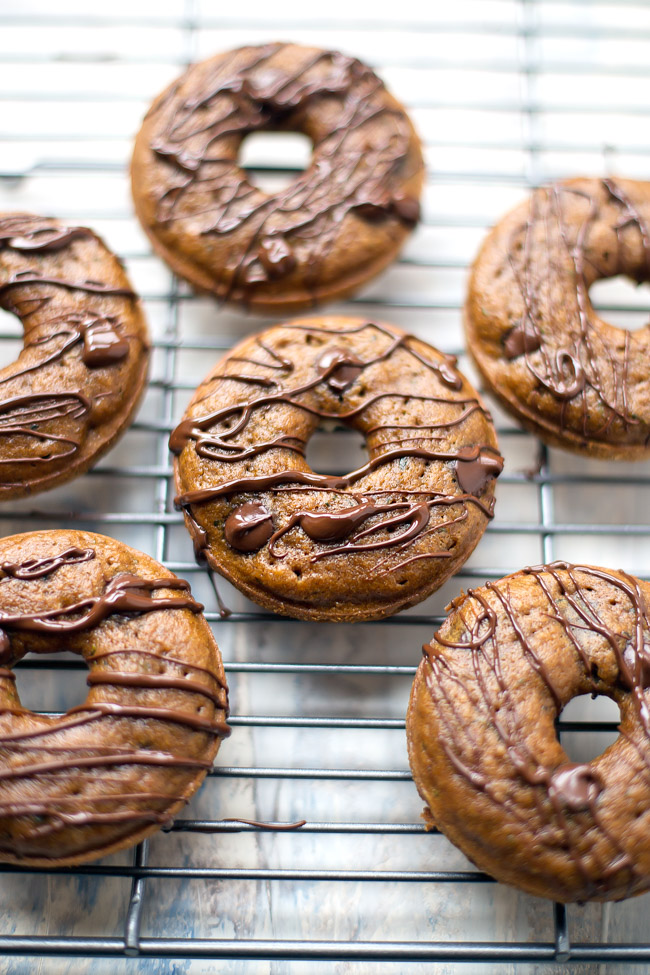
column 357, row 546
column 482, row 742
column 335, row 226
column 572, row 378
column 114, row 769
column 79, row 377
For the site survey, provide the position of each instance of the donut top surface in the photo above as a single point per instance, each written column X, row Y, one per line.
column 119, row 765
column 573, row 378
column 333, row 226
column 358, row 545
column 82, row 369
column 482, row 740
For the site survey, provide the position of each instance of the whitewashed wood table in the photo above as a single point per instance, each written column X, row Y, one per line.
column 504, row 93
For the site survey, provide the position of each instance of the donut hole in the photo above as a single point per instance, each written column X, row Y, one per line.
column 621, row 302
column 584, row 746
column 336, row 451
column 51, row 690
column 273, row 160
column 11, row 332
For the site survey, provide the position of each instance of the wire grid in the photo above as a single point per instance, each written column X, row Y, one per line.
column 506, row 93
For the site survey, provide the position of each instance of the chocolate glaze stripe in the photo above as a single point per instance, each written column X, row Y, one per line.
column 633, row 216
column 242, row 453
column 446, row 370
column 27, row 234
column 135, row 757
column 23, row 415
column 61, row 821
column 190, row 719
column 340, row 369
column 28, row 277
column 34, row 808
column 158, row 656
column 123, row 594
column 40, row 568
column 478, row 456
column 444, row 554
column 152, row 681
column 34, row 408
column 87, row 713
column 102, row 338
column 194, row 427
column 277, row 361
column 536, row 662
column 49, row 727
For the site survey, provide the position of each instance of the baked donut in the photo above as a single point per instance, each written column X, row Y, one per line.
column 482, row 743
column 335, row 226
column 353, row 547
column 113, row 770
column 79, row 377
column 573, row 379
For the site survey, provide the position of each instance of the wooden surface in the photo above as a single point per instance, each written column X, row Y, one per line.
column 74, row 84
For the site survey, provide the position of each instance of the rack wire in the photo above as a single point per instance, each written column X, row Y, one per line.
column 505, row 93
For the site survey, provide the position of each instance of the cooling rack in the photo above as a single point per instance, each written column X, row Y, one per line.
column 505, row 94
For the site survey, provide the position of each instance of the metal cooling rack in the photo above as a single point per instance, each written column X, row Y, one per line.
column 505, row 93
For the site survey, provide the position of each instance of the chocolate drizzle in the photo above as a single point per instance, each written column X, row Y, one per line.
column 28, row 277
column 521, row 339
column 364, row 154
column 133, row 684
column 594, row 612
column 39, row 568
column 24, row 415
column 19, row 234
column 575, row 233
column 55, row 324
column 384, row 516
column 248, row 527
column 125, row 593
column 341, row 368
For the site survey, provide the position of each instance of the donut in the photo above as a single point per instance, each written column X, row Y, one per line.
column 114, row 769
column 83, row 367
column 482, row 743
column 336, row 225
column 357, row 546
column 570, row 377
